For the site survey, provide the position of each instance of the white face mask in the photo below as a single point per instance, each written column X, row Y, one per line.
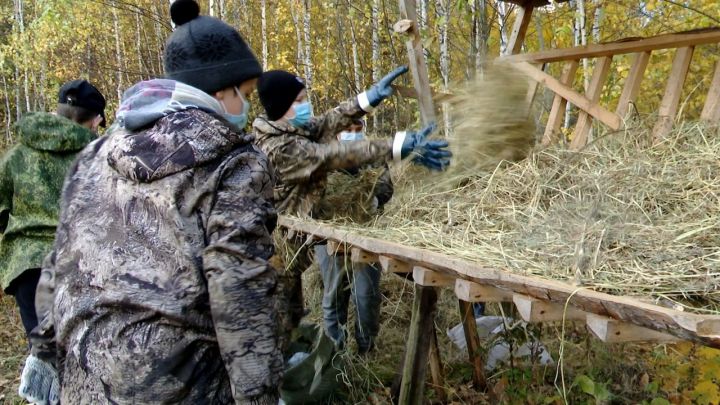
column 351, row 136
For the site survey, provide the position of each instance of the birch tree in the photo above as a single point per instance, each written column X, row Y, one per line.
column 442, row 8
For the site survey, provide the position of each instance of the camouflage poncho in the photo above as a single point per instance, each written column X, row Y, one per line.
column 31, row 177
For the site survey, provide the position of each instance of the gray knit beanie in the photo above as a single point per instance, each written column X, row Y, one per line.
column 205, row 52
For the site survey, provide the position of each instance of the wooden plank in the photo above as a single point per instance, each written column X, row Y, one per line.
column 597, row 82
column 467, row 315
column 535, row 310
column 335, row 248
column 517, row 36
column 608, row 118
column 429, row 278
column 669, row 41
column 671, row 100
column 436, row 369
column 632, row 83
column 358, row 255
column 557, row 112
column 417, row 351
column 613, row 331
column 473, row 292
column 391, row 265
column 684, row 325
column 711, row 111
column 418, row 66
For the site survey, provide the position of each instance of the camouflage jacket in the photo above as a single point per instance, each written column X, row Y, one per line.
column 304, row 157
column 31, row 177
column 158, row 289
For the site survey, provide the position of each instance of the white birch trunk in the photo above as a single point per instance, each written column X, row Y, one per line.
column 138, row 45
column 356, row 59
column 597, row 33
column 502, row 14
column 309, row 69
column 442, row 8
column 8, row 112
column 118, row 51
column 582, row 28
column 20, row 19
column 483, row 34
column 296, row 22
column 376, row 123
column 263, row 22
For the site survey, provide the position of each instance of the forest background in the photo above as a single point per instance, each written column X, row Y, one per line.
column 340, row 46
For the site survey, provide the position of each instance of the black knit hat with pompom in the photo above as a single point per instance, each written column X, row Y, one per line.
column 205, row 52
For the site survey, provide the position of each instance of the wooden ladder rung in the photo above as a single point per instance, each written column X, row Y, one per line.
column 469, row 291
column 391, row 265
column 336, row 248
column 535, row 310
column 358, row 255
column 613, row 331
column 429, row 278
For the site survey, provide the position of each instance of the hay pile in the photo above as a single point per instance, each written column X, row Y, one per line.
column 618, row 217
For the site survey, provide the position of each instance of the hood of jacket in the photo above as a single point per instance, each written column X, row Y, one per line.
column 50, row 132
column 165, row 127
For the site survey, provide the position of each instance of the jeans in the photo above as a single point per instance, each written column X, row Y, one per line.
column 337, row 290
column 23, row 288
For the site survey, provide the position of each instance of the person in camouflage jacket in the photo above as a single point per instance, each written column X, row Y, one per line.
column 304, row 150
column 31, row 177
column 159, row 288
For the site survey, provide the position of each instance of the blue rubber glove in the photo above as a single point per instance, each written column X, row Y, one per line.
column 383, row 89
column 432, row 154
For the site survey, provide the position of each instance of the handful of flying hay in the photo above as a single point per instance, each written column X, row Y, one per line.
column 490, row 121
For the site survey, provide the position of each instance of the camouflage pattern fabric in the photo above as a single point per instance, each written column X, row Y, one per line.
column 31, row 179
column 304, row 157
column 159, row 289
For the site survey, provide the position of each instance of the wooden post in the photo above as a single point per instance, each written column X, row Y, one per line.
column 557, row 112
column 467, row 316
column 436, row 369
column 711, row 111
column 422, row 326
column 597, row 82
column 517, row 37
column 418, row 67
column 671, row 99
column 633, row 82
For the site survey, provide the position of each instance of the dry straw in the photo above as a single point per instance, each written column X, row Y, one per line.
column 618, row 217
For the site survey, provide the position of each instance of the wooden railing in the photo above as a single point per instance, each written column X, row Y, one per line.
column 588, row 103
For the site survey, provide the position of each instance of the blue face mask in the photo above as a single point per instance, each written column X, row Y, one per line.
column 239, row 120
column 351, row 136
column 303, row 113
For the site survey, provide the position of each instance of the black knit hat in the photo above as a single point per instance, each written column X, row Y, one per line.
column 278, row 90
column 80, row 93
column 206, row 53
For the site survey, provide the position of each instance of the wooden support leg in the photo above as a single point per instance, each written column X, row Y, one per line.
column 473, row 344
column 436, row 369
column 412, row 388
column 671, row 99
column 711, row 111
column 584, row 124
column 633, row 82
column 517, row 37
column 557, row 112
